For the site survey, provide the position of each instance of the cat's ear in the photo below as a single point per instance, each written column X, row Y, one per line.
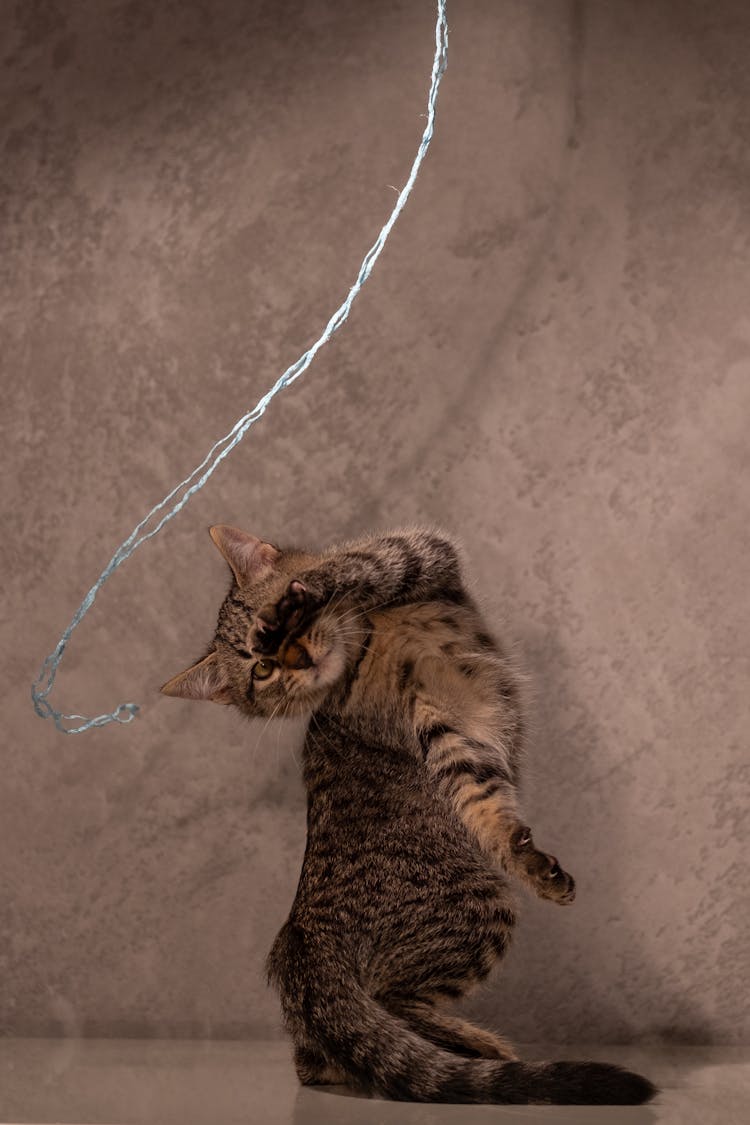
column 249, row 558
column 205, row 680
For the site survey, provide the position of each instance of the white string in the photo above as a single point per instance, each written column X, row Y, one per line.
column 127, row 711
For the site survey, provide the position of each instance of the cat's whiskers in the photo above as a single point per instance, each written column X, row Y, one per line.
column 277, row 754
column 272, row 716
column 334, row 604
column 314, row 720
column 351, row 634
column 355, row 614
column 294, row 756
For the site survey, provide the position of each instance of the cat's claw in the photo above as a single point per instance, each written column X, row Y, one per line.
column 561, row 887
column 521, row 839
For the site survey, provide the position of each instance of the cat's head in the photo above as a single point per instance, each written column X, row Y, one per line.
column 299, row 673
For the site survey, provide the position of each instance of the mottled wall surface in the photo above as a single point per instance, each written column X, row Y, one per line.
column 551, row 359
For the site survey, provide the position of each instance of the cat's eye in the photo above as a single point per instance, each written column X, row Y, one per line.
column 263, row 669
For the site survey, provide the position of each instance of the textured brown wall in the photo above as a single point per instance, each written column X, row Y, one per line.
column 551, row 359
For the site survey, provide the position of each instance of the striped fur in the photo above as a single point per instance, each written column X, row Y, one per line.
column 411, row 763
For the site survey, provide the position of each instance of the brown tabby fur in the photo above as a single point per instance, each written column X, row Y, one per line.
column 411, row 763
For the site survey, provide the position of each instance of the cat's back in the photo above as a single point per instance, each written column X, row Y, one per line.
column 391, row 882
column 378, row 833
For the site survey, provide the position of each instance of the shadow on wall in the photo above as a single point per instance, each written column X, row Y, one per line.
column 606, row 975
column 605, row 986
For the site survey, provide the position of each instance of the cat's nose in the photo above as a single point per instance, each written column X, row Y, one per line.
column 297, row 657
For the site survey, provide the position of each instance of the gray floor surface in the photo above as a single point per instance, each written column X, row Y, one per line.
column 145, row 1082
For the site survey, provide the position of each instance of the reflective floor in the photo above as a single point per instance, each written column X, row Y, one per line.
column 123, row 1081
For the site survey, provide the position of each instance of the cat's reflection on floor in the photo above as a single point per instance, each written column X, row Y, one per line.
column 334, row 1105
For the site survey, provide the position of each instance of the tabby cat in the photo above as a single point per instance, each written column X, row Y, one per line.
column 411, row 763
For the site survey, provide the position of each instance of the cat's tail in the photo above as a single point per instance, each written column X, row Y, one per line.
column 383, row 1054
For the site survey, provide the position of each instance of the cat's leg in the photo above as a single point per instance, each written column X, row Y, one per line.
column 412, row 565
column 417, row 565
column 451, row 1032
column 492, row 814
column 474, row 777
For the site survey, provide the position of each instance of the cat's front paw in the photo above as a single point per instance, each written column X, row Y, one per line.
column 276, row 620
column 542, row 871
column 555, row 884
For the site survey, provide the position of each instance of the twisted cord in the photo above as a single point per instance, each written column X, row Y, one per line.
column 125, row 712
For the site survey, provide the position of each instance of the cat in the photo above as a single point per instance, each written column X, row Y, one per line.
column 411, row 762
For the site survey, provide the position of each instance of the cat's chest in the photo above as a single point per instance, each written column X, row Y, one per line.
column 421, row 666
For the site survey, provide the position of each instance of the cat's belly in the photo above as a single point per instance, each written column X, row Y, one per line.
column 428, row 664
